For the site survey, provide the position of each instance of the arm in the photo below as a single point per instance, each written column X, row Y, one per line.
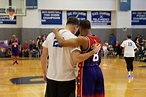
column 78, row 57
column 44, row 61
column 73, row 42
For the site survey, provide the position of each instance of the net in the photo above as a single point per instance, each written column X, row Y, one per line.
column 11, row 15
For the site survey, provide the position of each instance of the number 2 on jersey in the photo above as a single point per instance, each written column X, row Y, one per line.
column 95, row 57
column 56, row 44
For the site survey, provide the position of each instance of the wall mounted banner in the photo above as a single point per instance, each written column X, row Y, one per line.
column 6, row 20
column 31, row 4
column 81, row 15
column 101, row 17
column 125, row 5
column 51, row 17
column 138, row 18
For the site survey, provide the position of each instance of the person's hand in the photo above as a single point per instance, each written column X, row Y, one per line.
column 96, row 47
column 56, row 30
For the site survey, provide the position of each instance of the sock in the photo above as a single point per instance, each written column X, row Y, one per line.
column 129, row 72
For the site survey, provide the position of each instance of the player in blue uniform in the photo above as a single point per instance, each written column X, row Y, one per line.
column 90, row 77
column 14, row 44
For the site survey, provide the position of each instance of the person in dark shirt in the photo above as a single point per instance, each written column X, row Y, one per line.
column 112, row 40
column 25, row 49
column 33, row 48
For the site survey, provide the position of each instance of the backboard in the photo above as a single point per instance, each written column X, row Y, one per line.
column 17, row 6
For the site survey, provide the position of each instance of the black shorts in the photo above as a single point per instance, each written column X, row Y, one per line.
column 60, row 88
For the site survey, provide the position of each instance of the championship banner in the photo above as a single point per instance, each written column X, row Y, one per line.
column 51, row 17
column 138, row 18
column 81, row 15
column 4, row 19
column 101, row 17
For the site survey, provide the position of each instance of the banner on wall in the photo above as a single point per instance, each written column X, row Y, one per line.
column 81, row 15
column 31, row 4
column 138, row 18
column 51, row 17
column 6, row 20
column 125, row 5
column 101, row 17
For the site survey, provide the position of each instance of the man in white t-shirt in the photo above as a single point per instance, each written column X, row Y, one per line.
column 129, row 54
column 59, row 75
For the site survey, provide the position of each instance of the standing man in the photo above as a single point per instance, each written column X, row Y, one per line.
column 90, row 77
column 60, row 75
column 15, row 46
column 129, row 54
column 112, row 40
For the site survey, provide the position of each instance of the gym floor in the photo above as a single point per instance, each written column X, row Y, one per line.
column 25, row 79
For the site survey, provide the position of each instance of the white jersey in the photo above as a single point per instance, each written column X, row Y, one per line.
column 129, row 47
column 60, row 66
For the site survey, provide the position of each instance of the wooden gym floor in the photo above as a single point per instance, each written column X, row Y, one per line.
column 25, row 79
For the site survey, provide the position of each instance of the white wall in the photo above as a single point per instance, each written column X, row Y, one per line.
column 77, row 4
column 31, row 20
column 138, row 5
column 123, row 19
column 3, row 3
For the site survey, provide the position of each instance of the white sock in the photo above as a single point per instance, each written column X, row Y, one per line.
column 129, row 72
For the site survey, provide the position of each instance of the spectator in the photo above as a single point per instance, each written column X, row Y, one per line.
column 39, row 44
column 33, row 49
column 44, row 37
column 118, row 49
column 112, row 40
column 25, row 49
column 8, row 53
column 140, row 40
column 105, row 48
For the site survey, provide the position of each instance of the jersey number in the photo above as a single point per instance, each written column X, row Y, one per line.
column 129, row 43
column 95, row 57
column 56, row 44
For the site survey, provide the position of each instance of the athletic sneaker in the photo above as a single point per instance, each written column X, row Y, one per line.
column 14, row 62
column 129, row 76
column 132, row 75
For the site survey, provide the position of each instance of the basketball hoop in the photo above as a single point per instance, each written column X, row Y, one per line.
column 11, row 15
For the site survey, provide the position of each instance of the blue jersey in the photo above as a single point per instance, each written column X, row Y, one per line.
column 90, row 78
column 95, row 59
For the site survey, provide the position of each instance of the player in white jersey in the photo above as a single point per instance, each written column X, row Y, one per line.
column 129, row 54
column 59, row 75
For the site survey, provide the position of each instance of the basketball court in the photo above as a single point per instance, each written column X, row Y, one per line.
column 25, row 79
